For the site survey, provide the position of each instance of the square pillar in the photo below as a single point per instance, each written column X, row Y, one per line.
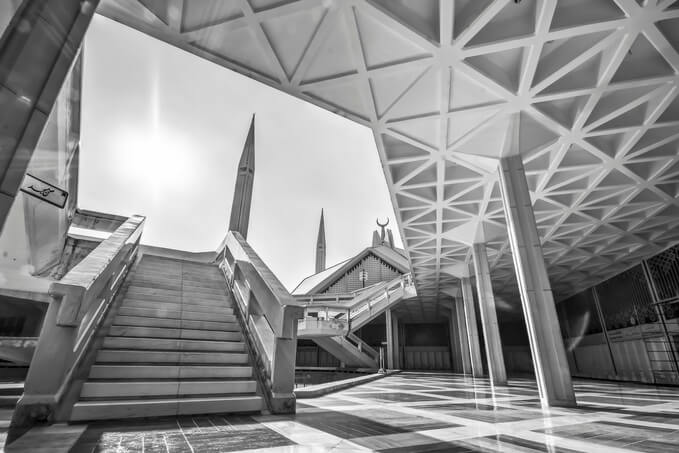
column 491, row 331
column 547, row 349
column 463, row 337
column 454, row 340
column 392, row 340
column 472, row 331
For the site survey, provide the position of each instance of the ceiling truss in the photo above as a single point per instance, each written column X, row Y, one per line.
column 593, row 84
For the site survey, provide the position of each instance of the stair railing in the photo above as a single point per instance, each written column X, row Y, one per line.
column 354, row 312
column 357, row 310
column 79, row 303
column 378, row 301
column 270, row 315
column 363, row 346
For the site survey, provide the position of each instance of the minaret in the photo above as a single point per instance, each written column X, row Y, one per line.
column 242, row 196
column 320, row 246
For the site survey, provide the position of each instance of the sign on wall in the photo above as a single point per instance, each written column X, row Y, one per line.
column 44, row 191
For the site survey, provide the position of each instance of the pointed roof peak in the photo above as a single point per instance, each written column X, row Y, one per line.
column 321, row 229
column 242, row 196
column 320, row 246
column 247, row 158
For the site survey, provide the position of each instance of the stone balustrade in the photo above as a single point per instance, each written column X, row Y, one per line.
column 269, row 315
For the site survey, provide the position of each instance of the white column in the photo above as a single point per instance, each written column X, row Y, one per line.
column 549, row 356
column 397, row 343
column 463, row 336
column 491, row 331
column 472, row 331
column 389, row 322
column 454, row 336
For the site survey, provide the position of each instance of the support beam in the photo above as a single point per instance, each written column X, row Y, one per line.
column 472, row 330
column 37, row 51
column 454, row 339
column 392, row 339
column 456, row 344
column 491, row 331
column 549, row 356
column 463, row 336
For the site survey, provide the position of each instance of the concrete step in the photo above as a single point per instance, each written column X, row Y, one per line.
column 11, row 388
column 212, row 293
column 215, row 280
column 170, row 306
column 224, row 314
column 169, row 372
column 211, row 325
column 212, row 281
column 122, row 389
column 155, row 271
column 207, row 277
column 191, row 298
column 138, row 321
column 108, row 410
column 196, row 289
column 155, row 265
column 185, row 334
column 169, row 344
column 170, row 357
column 8, row 401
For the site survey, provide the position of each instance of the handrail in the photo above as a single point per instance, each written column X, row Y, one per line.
column 80, row 301
column 362, row 345
column 270, row 315
column 89, row 276
column 365, row 301
column 320, row 298
column 350, row 316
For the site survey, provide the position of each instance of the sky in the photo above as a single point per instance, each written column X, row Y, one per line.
column 162, row 133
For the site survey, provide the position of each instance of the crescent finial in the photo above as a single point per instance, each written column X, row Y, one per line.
column 379, row 224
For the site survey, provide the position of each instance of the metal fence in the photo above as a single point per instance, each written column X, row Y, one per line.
column 638, row 307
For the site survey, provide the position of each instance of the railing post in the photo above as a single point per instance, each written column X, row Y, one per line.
column 50, row 363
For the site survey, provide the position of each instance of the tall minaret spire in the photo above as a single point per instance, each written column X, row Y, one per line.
column 320, row 246
column 242, row 196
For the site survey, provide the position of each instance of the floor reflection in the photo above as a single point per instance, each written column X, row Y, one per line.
column 421, row 412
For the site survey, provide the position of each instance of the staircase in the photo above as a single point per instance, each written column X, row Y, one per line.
column 349, row 352
column 174, row 348
column 331, row 325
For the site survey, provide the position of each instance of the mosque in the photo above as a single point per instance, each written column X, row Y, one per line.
column 531, row 151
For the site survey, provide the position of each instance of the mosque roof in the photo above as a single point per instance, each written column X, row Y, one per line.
column 316, row 282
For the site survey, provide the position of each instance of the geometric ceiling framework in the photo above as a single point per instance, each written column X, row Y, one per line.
column 593, row 85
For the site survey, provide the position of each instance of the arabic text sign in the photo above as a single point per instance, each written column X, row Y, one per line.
column 44, row 191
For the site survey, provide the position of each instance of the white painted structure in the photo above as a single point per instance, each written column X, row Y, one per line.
column 576, row 98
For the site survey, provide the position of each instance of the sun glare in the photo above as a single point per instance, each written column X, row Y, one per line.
column 161, row 160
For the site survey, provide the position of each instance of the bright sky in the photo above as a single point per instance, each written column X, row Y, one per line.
column 162, row 132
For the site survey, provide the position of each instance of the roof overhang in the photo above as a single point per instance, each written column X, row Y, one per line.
column 591, row 83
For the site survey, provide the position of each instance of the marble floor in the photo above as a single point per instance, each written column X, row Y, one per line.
column 407, row 412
